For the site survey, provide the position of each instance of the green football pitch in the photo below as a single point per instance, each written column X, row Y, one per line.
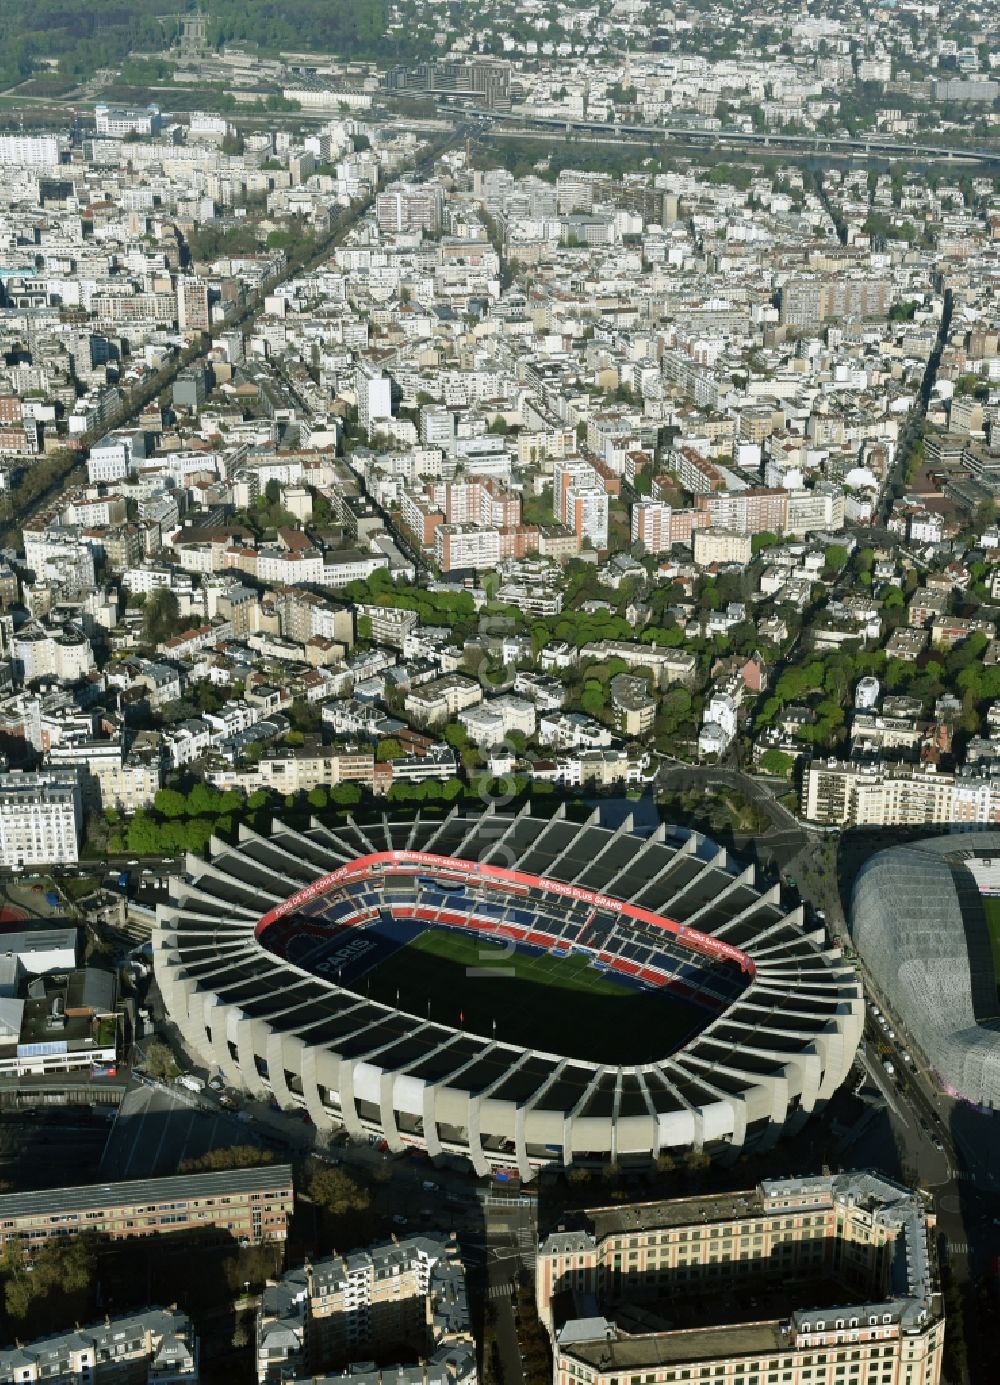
column 551, row 1004
column 991, row 909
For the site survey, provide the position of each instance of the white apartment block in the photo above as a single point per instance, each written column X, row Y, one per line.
column 30, row 151
column 443, row 698
column 458, row 546
column 40, row 818
column 374, row 396
column 490, row 723
column 587, row 514
column 897, row 795
column 815, row 509
column 409, row 207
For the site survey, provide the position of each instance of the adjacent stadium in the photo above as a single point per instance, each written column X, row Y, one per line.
column 516, row 990
column 925, row 918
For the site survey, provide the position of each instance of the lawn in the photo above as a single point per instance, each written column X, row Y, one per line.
column 551, row 1004
column 991, row 910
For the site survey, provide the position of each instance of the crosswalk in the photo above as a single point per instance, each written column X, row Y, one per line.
column 958, row 1247
column 498, row 1291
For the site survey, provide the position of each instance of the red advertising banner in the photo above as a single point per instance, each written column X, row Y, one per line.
column 383, row 863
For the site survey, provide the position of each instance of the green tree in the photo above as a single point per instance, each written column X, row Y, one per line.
column 229, row 1157
column 160, row 616
column 777, row 762
column 60, row 1282
column 159, row 1061
column 389, row 748
column 836, row 557
column 169, row 803
column 336, row 1191
column 318, row 798
column 592, row 698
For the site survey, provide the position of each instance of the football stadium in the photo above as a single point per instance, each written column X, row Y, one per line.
column 516, row 990
column 926, row 919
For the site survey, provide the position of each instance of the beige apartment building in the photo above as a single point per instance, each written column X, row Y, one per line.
column 757, row 1254
column 848, row 793
column 346, row 1308
column 246, row 1205
column 721, row 546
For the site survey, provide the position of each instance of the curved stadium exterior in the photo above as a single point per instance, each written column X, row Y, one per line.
column 919, row 922
column 261, row 957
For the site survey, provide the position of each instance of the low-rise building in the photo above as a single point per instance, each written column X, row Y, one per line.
column 489, row 723
column 242, row 1205
column 156, row 1346
column 633, row 707
column 443, row 698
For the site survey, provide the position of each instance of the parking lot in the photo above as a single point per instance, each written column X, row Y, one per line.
column 157, row 1128
column 52, row 1147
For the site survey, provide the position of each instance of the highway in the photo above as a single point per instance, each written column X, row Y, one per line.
column 869, row 145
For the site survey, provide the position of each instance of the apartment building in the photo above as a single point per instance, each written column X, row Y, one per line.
column 695, row 473
column 443, row 698
column 193, row 314
column 409, row 207
column 458, row 546
column 753, row 511
column 669, row 665
column 871, row 1238
column 491, row 722
column 31, row 151
column 246, row 1205
column 807, row 511
column 840, row 792
column 633, row 707
column 721, row 546
column 374, row 392
column 345, row 1308
column 41, row 817
column 587, row 515
column 110, row 776
column 567, row 473
column 806, row 302
column 650, row 525
column 154, row 1345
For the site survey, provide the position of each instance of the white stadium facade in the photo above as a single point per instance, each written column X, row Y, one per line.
column 261, row 958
